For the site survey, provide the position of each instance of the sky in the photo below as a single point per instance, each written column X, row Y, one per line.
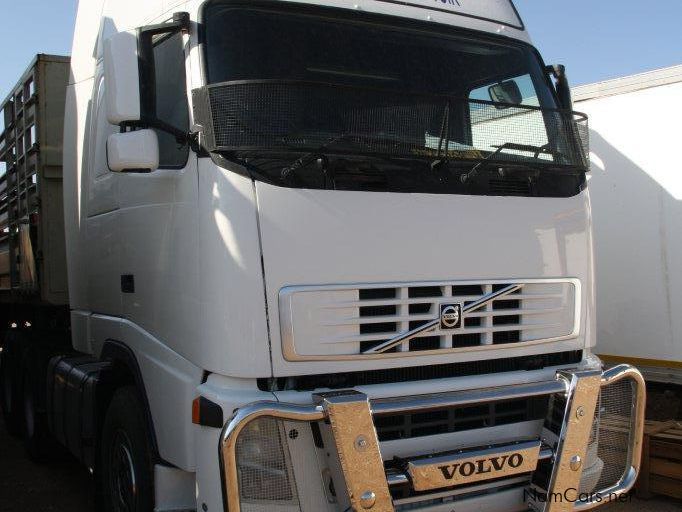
column 601, row 39
column 595, row 39
column 30, row 27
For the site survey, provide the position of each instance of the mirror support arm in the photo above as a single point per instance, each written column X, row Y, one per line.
column 179, row 23
column 563, row 90
column 180, row 135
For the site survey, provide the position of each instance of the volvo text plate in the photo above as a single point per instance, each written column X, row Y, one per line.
column 473, row 466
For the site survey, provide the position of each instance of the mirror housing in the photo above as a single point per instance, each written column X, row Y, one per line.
column 122, row 78
column 505, row 92
column 563, row 90
column 136, row 151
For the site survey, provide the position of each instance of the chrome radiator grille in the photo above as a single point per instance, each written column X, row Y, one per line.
column 328, row 322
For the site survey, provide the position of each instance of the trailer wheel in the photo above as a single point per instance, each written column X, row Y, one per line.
column 10, row 391
column 126, row 472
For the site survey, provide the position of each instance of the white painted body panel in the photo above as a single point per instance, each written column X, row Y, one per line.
column 389, row 238
column 636, row 185
column 170, row 382
column 233, row 313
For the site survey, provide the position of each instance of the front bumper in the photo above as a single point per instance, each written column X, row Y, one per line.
column 552, row 464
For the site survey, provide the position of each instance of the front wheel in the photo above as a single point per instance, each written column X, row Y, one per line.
column 126, row 463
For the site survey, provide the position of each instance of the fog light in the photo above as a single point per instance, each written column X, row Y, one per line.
column 608, row 453
column 263, row 464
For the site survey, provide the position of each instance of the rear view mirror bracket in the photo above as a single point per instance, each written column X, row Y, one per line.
column 145, row 37
column 130, row 78
column 180, row 136
column 563, row 90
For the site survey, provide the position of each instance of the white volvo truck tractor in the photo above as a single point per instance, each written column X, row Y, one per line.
column 322, row 256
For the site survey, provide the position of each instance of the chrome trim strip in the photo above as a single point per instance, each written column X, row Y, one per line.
column 290, row 353
column 518, row 481
column 423, row 403
column 485, row 299
column 407, row 335
column 403, row 336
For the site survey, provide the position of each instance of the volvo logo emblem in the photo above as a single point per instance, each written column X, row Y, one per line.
column 479, row 466
column 450, row 316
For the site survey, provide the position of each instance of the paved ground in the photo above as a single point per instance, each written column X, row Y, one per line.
column 66, row 487
column 635, row 505
column 62, row 486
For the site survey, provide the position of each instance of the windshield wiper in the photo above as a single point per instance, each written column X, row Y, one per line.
column 538, row 150
column 444, row 136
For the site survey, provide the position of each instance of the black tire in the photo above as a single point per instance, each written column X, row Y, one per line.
column 11, row 383
column 126, row 461
column 38, row 441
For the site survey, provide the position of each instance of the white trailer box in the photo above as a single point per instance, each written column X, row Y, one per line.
column 636, row 185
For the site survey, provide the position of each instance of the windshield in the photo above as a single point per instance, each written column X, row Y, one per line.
column 297, row 80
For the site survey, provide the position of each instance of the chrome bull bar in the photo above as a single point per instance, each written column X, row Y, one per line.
column 351, row 413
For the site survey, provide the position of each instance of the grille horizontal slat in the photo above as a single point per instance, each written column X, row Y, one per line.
column 486, row 314
column 423, row 300
column 349, row 320
column 379, row 319
column 476, row 330
column 518, row 311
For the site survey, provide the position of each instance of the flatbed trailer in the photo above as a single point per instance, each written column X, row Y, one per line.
column 32, row 246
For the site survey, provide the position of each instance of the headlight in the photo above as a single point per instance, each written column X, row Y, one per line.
column 263, row 464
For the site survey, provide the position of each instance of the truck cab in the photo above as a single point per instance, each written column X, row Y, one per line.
column 333, row 256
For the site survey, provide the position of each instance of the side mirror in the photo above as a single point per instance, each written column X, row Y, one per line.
column 505, row 92
column 136, row 151
column 122, row 78
column 563, row 90
column 129, row 74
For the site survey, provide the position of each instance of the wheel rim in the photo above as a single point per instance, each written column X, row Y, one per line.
column 123, row 488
